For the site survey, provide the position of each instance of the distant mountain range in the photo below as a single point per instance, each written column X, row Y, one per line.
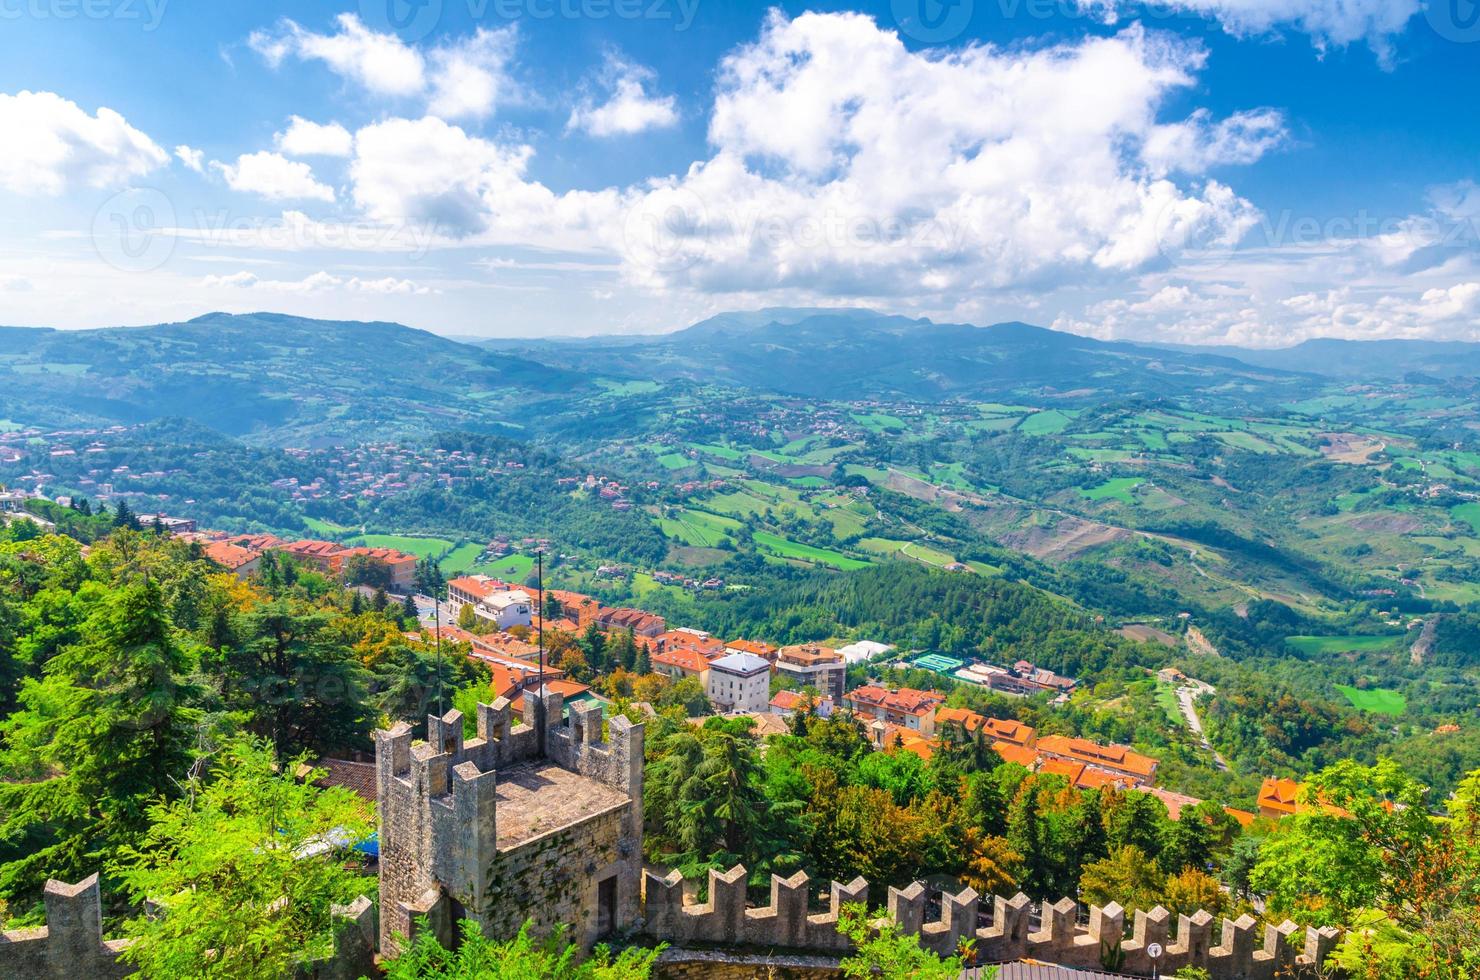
column 291, row 380
column 854, row 354
column 263, row 373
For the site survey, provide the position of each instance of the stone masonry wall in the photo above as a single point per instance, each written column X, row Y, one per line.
column 71, row 946
column 553, row 879
column 439, row 854
column 1240, row 954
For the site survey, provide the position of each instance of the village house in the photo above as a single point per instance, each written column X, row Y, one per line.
column 756, row 647
column 681, row 662
column 906, row 707
column 816, row 666
column 641, row 623
column 788, row 703
column 239, row 561
column 739, row 682
column 1114, row 759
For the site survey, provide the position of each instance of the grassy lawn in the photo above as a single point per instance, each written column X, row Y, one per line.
column 420, row 547
column 1045, row 423
column 926, row 554
column 1166, row 696
column 879, row 422
column 461, row 558
column 326, row 528
column 1340, row 644
column 1469, row 513
column 1379, row 700
column 515, row 568
column 786, row 548
column 1117, row 489
column 675, row 461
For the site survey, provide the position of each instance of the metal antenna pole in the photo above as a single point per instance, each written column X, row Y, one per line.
column 540, row 639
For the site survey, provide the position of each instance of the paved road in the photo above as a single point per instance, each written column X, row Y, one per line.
column 1185, row 698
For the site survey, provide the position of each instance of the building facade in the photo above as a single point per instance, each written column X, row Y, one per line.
column 740, row 682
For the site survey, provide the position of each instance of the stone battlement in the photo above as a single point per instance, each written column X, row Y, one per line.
column 71, row 944
column 786, row 923
column 483, row 827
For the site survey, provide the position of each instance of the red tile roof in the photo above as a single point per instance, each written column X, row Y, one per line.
column 688, row 661
column 229, row 556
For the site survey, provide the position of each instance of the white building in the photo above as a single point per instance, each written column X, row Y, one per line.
column 862, row 651
column 740, row 682
column 507, row 609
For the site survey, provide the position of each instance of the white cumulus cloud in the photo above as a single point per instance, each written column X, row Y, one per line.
column 51, row 144
column 192, row 158
column 304, row 138
column 273, row 176
column 464, row 78
column 628, row 107
column 1329, row 23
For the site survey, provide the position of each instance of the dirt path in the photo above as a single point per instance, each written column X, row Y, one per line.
column 1424, row 643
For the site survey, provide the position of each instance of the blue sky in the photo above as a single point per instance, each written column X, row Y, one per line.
column 1248, row 171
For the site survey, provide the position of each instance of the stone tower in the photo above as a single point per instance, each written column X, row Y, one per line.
column 537, row 821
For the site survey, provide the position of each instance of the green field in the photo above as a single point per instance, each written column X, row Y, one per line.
column 1469, row 513
column 696, row 528
column 1340, row 644
column 515, row 568
column 786, row 548
column 1379, row 700
column 674, row 461
column 1045, row 423
column 1117, row 489
column 621, row 388
column 460, row 559
column 326, row 528
column 926, row 554
column 420, row 547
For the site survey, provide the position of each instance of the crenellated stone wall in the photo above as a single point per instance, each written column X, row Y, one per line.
column 71, row 946
column 786, row 923
column 544, row 821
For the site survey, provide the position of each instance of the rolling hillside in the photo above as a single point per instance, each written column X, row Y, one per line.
column 265, row 377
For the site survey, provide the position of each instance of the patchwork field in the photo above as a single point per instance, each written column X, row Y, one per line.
column 786, row 548
column 412, row 545
column 1378, row 700
column 1341, row 644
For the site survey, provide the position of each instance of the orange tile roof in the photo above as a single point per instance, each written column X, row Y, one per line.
column 810, row 653
column 388, row 555
column 256, row 542
column 229, row 556
column 1116, row 757
column 753, row 646
column 1019, row 754
column 906, row 700
column 907, row 740
column 1061, row 767
column 1011, row 730
column 316, row 549
column 964, row 717
column 1095, row 779
column 1280, row 795
column 689, row 661
column 1244, row 817
column 1175, row 802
